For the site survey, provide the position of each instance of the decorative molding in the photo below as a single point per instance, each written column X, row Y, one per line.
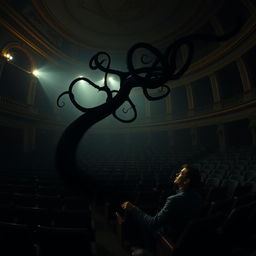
column 250, row 6
column 244, row 75
column 17, row 45
column 222, row 56
column 168, row 104
column 13, row 107
column 190, row 97
column 221, row 116
column 23, row 31
column 215, row 88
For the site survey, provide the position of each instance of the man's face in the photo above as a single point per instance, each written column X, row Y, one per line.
column 181, row 177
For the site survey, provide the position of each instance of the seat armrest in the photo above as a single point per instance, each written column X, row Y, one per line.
column 164, row 245
column 166, row 241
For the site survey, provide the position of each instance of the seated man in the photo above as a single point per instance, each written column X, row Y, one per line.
column 185, row 205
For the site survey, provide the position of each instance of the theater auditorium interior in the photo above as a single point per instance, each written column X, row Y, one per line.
column 102, row 102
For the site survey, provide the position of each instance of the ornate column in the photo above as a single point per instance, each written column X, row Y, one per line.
column 215, row 23
column 215, row 92
column 168, row 104
column 29, row 138
column 252, row 128
column 32, row 91
column 250, row 6
column 190, row 98
column 147, row 109
column 194, row 136
column 221, row 131
column 247, row 86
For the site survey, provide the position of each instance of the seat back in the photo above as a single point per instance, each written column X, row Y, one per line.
column 199, row 235
column 63, row 241
column 17, row 239
column 239, row 223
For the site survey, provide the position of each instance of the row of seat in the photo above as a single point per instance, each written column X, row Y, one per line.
column 21, row 239
column 39, row 216
column 222, row 233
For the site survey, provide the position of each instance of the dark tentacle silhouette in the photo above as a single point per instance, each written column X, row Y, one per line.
column 163, row 68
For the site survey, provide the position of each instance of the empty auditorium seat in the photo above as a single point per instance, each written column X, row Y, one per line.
column 54, row 241
column 49, row 202
column 75, row 203
column 72, row 218
column 17, row 239
column 33, row 216
column 200, row 238
column 228, row 188
column 21, row 199
column 221, row 206
column 239, row 225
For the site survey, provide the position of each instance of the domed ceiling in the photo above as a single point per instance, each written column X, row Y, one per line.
column 118, row 24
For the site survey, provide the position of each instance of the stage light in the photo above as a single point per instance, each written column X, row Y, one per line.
column 113, row 83
column 35, row 73
column 111, row 79
column 8, row 56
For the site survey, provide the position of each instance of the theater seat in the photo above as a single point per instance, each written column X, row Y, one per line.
column 239, row 225
column 17, row 239
column 199, row 238
column 54, row 241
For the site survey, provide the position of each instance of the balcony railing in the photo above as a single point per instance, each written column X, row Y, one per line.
column 15, row 107
column 222, row 105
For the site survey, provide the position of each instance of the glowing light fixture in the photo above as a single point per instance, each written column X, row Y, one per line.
column 111, row 79
column 8, row 56
column 35, row 73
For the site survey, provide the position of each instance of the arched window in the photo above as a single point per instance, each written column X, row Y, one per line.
column 16, row 76
column 229, row 81
column 202, row 93
column 179, row 101
column 250, row 60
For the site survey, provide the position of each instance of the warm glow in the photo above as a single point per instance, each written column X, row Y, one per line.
column 8, row 56
column 35, row 73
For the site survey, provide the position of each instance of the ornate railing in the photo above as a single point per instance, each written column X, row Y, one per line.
column 15, row 107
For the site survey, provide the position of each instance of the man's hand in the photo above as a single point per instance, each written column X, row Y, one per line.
column 127, row 205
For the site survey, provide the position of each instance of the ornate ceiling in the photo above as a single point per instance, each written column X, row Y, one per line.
column 118, row 24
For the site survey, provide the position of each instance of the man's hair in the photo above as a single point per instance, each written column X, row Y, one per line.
column 193, row 174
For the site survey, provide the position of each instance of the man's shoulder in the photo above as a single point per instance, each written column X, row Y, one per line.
column 178, row 195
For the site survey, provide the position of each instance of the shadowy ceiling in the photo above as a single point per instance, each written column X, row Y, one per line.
column 118, row 24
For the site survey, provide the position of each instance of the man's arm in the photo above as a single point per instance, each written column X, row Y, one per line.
column 152, row 222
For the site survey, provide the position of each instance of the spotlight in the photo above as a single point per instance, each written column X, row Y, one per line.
column 8, row 56
column 35, row 73
column 111, row 79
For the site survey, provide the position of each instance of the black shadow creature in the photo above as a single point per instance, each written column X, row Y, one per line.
column 154, row 72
